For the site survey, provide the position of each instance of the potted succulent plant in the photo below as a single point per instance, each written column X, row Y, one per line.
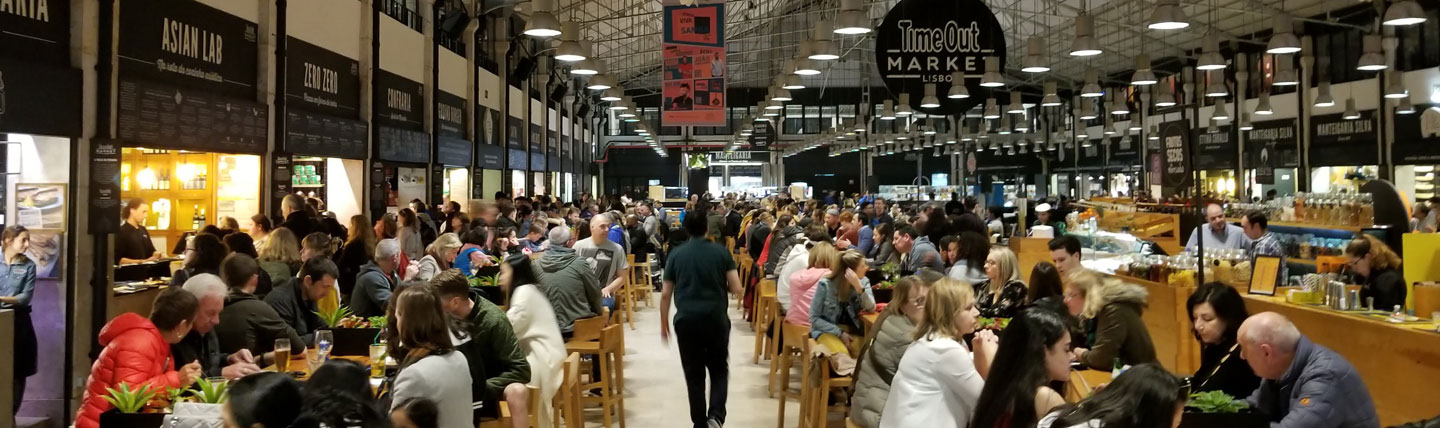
column 201, row 406
column 1218, row 409
column 487, row 282
column 885, row 290
column 134, row 407
column 352, row 334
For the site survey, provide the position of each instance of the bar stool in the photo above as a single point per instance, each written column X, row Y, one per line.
column 820, row 383
column 609, row 349
column 533, row 395
column 765, row 284
column 640, row 275
column 796, row 345
column 567, row 399
column 625, row 299
column 764, row 320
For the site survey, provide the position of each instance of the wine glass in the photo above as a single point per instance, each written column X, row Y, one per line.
column 324, row 339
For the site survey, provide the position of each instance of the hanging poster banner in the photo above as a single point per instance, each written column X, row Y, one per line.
column 926, row 41
column 1337, row 141
column 1215, row 150
column 1285, row 150
column 693, row 83
column 1174, row 140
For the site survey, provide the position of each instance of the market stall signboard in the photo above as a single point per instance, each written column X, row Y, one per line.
column 1123, row 152
column 1283, row 153
column 537, row 162
column 487, row 122
column 1175, row 143
column 322, row 81
column 1336, row 141
column 925, row 41
column 379, row 189
column 535, row 143
column 763, row 134
column 453, row 151
column 1216, row 150
column 39, row 97
column 38, row 30
column 188, row 44
column 567, row 147
column 518, row 159
column 515, row 133
column 104, row 186
column 489, row 157
column 324, row 135
column 280, row 176
column 402, row 145
column 449, row 115
column 437, row 184
column 1090, row 157
column 189, row 119
column 399, row 102
column 1417, row 137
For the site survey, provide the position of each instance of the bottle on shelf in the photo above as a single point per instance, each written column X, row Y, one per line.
column 203, row 220
column 195, row 217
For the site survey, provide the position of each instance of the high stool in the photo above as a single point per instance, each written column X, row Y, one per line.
column 818, row 384
column 796, row 345
column 640, row 276
column 609, row 350
column 567, row 399
column 625, row 298
column 765, row 284
column 764, row 320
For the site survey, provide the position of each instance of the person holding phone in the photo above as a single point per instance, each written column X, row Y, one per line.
column 840, row 297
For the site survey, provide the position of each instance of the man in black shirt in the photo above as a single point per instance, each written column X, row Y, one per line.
column 697, row 277
column 132, row 243
column 297, row 218
column 202, row 344
column 683, row 101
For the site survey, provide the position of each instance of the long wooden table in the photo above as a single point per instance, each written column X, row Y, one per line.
column 1400, row 363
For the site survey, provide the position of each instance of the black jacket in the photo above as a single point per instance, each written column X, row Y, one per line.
column 351, row 257
column 1387, row 287
column 1222, row 369
column 204, row 348
column 755, row 242
column 295, row 310
column 300, row 224
column 249, row 323
column 732, row 224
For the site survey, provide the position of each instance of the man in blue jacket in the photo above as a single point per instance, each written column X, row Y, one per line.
column 1302, row 383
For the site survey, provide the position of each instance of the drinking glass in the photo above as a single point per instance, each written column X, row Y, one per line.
column 282, row 355
column 324, row 340
column 377, row 360
column 312, row 359
column 1435, row 318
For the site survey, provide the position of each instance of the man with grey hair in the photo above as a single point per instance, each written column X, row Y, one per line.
column 376, row 281
column 1302, row 383
column 202, row 344
column 568, row 280
column 296, row 217
column 606, row 259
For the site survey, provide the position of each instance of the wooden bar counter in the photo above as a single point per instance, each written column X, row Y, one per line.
column 1399, row 362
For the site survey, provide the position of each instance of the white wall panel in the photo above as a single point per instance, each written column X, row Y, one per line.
column 402, row 50
column 330, row 24
column 489, row 88
column 517, row 102
column 1424, row 86
column 452, row 73
column 537, row 111
column 248, row 9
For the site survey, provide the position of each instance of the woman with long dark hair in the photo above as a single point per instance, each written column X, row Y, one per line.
column 421, row 338
column 409, row 235
column 203, row 254
column 1379, row 272
column 338, row 395
column 970, row 258
column 536, row 330
column 1034, row 351
column 358, row 250
column 1216, row 311
column 1046, row 289
column 263, row 400
column 1145, row 396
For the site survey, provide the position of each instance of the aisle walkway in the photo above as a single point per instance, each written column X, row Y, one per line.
column 655, row 385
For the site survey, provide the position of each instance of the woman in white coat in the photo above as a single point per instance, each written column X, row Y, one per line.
column 939, row 380
column 538, row 333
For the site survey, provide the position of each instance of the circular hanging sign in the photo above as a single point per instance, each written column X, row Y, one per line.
column 925, row 41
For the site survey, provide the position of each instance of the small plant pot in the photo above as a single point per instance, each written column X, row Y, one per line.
column 353, row 341
column 1225, row 420
column 115, row 419
column 883, row 295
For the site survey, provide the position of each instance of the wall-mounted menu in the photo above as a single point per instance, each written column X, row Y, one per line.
column 280, row 178
column 1337, row 141
column 157, row 115
column 537, row 162
column 535, row 143
column 319, row 80
column 489, row 157
column 1417, row 137
column 189, row 44
column 515, row 132
column 402, row 145
column 437, row 184
column 399, row 101
column 453, row 151
column 323, row 135
column 567, row 147
column 517, row 159
column 554, row 141
column 449, row 115
column 104, row 186
column 379, row 189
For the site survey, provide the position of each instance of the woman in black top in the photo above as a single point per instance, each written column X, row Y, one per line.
column 1216, row 311
column 1379, row 272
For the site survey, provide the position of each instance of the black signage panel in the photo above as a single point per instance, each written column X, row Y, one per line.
column 926, row 41
column 280, row 177
column 453, row 151
column 535, row 143
column 399, row 102
column 39, row 98
column 186, row 43
column 1175, row 141
column 1285, row 150
column 515, row 133
column 437, row 184
column 1092, row 156
column 379, row 189
column 1337, row 141
column 567, row 147
column 104, row 187
column 319, row 80
column 554, row 141
column 163, row 116
column 449, row 115
column 489, row 157
column 402, row 145
column 488, row 129
column 477, row 184
column 553, row 163
column 1417, row 137
column 762, row 134
column 1265, row 159
column 324, row 135
column 1123, row 152
column 1215, row 150
column 38, row 30
column 518, row 160
column 537, row 162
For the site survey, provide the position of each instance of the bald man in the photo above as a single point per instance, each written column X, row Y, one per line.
column 1302, row 383
column 1218, row 233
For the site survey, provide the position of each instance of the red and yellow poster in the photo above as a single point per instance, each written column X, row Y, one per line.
column 693, row 84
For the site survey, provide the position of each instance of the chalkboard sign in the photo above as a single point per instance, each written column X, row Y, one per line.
column 515, row 132
column 399, row 102
column 379, row 190
column 477, row 185
column 163, row 116
column 280, row 173
column 437, row 185
column 518, row 160
column 489, row 157
column 104, row 187
column 1337, row 141
column 537, row 162
column 449, row 115
column 1285, row 150
column 453, row 151
column 402, row 145
column 535, row 143
column 324, row 135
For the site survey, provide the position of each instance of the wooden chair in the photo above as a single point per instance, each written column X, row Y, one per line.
column 567, row 399
column 625, row 299
column 818, row 385
column 640, row 276
column 609, row 350
column 797, row 340
column 765, row 284
column 764, row 320
column 505, row 416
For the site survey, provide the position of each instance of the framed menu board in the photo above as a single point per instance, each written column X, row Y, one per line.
column 1264, row 274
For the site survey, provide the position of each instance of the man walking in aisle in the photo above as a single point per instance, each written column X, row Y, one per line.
column 697, row 276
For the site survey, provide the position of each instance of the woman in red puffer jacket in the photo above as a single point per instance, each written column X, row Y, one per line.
column 137, row 352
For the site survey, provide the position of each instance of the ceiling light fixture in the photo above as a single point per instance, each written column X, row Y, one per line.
column 1405, row 107
column 992, row 110
column 902, row 108
column 569, row 49
column 1016, row 107
column 1165, row 98
column 1034, row 61
column 1220, row 112
column 612, row 94
column 1217, row 87
column 1118, row 106
column 1284, row 73
column 958, row 90
column 1154, row 134
column 1396, row 86
column 887, row 111
column 1373, row 56
column 1167, row 15
column 992, row 77
column 1351, row 113
column 1210, row 58
column 1092, row 84
column 1263, row 107
column 1283, row 40
column 1087, row 111
column 542, row 22
column 929, row 101
column 852, row 18
column 1245, row 124
column 824, row 47
column 1052, row 98
column 1143, row 75
column 792, row 82
column 587, row 67
column 1085, row 43
column 600, row 82
column 780, row 94
column 1322, row 95
column 806, row 66
column 1404, row 12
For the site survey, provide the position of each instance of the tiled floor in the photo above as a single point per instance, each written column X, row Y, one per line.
column 655, row 386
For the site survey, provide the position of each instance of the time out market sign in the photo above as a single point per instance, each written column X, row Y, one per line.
column 925, row 41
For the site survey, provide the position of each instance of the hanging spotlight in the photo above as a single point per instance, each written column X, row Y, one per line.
column 992, row 77
column 1085, row 43
column 1405, row 107
column 1052, row 98
column 1118, row 106
column 621, row 103
column 600, row 82
column 1154, row 134
column 1022, row 124
column 805, row 66
column 887, row 112
column 1087, row 111
column 1404, row 12
column 1396, row 87
column 957, row 86
column 1373, row 58
column 774, row 105
column 902, row 108
column 1016, row 107
column 1135, row 125
column 1143, row 75
column 1245, row 124
column 1263, row 106
column 1322, row 95
column 1034, row 61
column 1284, row 73
column 1210, row 58
column 1167, row 15
column 1092, row 85
column 992, row 110
column 569, row 49
column 612, row 94
column 824, row 47
column 542, row 22
column 780, row 94
column 1283, row 40
column 792, row 82
column 1217, row 87
column 929, row 101
column 1351, row 113
column 587, row 67
column 852, row 18
column 1107, row 128
column 1220, row 112
column 1165, row 98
